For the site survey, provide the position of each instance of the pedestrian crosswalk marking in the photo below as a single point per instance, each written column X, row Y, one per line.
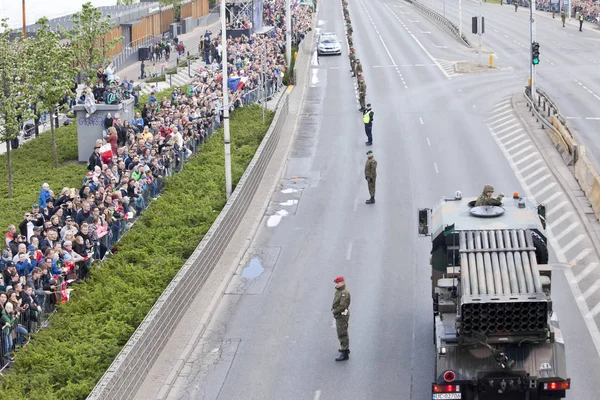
column 449, row 67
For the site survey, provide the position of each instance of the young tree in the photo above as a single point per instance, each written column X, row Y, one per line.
column 126, row 2
column 88, row 39
column 51, row 73
column 15, row 93
column 176, row 6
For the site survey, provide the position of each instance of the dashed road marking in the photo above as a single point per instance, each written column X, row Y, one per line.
column 428, row 142
column 580, row 256
column 560, row 219
column 421, row 120
column 592, row 289
column 349, row 251
column 588, row 270
column 566, row 231
column 437, row 171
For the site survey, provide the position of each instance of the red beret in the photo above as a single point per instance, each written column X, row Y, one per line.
column 339, row 279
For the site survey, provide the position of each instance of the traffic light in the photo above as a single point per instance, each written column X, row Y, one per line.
column 535, row 53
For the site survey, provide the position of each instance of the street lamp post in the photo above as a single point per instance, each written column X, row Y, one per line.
column 288, row 34
column 24, row 21
column 226, row 139
column 532, row 39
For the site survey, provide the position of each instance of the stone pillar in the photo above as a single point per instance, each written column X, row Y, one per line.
column 90, row 128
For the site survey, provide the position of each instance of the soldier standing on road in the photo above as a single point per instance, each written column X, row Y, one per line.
column 371, row 175
column 563, row 16
column 516, row 5
column 580, row 20
column 352, row 61
column 486, row 199
column 368, row 121
column 362, row 93
column 341, row 313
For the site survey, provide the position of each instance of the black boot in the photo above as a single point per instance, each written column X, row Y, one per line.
column 343, row 356
column 341, row 351
column 369, row 143
column 370, row 201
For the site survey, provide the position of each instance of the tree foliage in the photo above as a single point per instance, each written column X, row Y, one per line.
column 15, row 93
column 52, row 74
column 126, row 2
column 88, row 39
column 66, row 360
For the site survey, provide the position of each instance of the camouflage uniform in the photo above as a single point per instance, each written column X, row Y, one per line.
column 341, row 304
column 352, row 60
column 563, row 16
column 362, row 93
column 371, row 176
column 485, row 200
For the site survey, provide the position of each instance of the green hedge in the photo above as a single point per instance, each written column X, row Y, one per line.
column 32, row 165
column 159, row 78
column 66, row 360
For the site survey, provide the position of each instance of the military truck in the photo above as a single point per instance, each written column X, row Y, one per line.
column 495, row 333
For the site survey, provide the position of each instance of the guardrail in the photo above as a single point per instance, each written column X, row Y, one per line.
column 131, row 366
column 443, row 21
column 573, row 154
column 547, row 112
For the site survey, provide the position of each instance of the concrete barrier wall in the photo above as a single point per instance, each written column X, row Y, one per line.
column 130, row 368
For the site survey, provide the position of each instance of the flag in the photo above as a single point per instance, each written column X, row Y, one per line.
column 233, row 83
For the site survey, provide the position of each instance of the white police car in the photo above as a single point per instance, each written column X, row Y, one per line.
column 329, row 44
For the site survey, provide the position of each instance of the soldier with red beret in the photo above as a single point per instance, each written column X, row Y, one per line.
column 341, row 313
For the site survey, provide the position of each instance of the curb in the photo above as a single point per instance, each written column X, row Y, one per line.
column 582, row 216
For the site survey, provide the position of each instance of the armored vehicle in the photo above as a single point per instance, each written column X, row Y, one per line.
column 495, row 333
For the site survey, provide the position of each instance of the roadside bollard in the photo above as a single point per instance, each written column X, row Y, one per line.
column 491, row 60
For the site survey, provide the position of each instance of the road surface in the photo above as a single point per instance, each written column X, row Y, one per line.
column 273, row 336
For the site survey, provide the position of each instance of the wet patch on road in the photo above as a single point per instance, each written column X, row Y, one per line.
column 254, row 271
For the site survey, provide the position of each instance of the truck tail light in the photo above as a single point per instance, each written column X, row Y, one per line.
column 557, row 385
column 446, row 388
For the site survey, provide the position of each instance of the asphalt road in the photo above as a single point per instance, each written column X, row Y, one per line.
column 273, row 336
column 569, row 68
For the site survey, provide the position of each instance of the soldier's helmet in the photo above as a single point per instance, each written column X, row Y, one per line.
column 488, row 188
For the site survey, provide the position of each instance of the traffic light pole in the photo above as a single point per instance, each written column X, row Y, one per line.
column 532, row 39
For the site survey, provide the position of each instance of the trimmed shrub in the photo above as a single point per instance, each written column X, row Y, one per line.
column 66, row 360
column 32, row 165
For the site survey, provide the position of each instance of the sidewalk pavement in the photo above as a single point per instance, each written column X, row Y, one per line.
column 190, row 41
column 587, row 26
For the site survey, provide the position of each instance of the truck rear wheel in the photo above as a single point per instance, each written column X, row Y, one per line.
column 541, row 248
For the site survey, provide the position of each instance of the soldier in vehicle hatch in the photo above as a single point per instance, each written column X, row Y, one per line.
column 341, row 304
column 486, row 199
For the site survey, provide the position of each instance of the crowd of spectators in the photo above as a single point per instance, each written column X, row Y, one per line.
column 67, row 232
column 589, row 8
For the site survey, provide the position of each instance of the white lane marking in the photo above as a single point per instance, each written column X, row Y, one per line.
column 522, row 160
column 573, row 243
column 437, row 171
column 523, row 150
column 540, row 180
column 421, row 119
column 588, row 270
column 516, row 146
column 506, row 36
column 317, row 395
column 510, row 134
column 410, row 20
column 568, row 230
column 593, row 118
column 507, row 129
column 349, row 251
column 557, row 208
column 511, row 141
column 533, row 164
column 425, row 32
column 502, row 107
column 504, row 123
column 355, row 204
column 502, row 103
column 334, row 67
column 428, row 142
column 560, row 219
column 594, row 311
column 497, row 115
column 439, row 47
column 386, row 49
column 549, row 199
column 550, row 186
column 592, row 289
column 501, row 119
column 583, row 308
column 580, row 256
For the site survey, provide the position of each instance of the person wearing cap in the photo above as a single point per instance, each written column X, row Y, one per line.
column 371, row 175
column 368, row 121
column 341, row 313
column 486, row 199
